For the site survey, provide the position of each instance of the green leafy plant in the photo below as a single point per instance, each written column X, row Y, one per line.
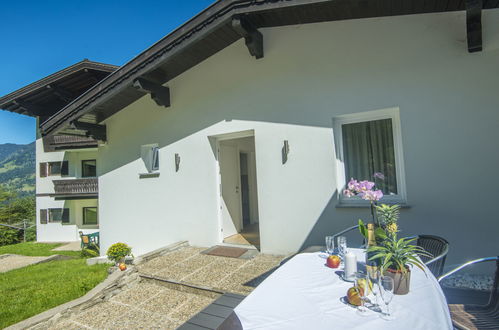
column 91, row 251
column 398, row 254
column 118, row 251
column 379, row 233
column 388, row 216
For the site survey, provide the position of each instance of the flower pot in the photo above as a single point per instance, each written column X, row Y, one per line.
column 401, row 281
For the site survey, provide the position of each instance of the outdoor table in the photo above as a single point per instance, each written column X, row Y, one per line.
column 305, row 294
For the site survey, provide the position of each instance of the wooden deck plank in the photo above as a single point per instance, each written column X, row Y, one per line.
column 227, row 301
column 207, row 320
column 218, row 310
column 190, row 326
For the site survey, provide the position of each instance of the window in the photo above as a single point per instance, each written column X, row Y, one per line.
column 150, row 155
column 54, row 168
column 368, row 143
column 89, row 168
column 90, row 216
column 58, row 215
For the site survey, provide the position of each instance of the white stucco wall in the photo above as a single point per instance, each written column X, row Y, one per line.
column 58, row 232
column 448, row 104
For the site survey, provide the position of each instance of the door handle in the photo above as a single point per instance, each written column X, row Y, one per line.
column 237, row 190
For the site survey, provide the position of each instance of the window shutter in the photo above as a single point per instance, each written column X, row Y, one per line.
column 43, row 170
column 43, row 216
column 64, row 168
column 65, row 216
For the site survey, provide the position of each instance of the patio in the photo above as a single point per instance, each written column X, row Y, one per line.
column 160, row 301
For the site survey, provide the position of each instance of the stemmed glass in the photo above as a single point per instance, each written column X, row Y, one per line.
column 330, row 245
column 342, row 246
column 361, row 282
column 373, row 275
column 386, row 288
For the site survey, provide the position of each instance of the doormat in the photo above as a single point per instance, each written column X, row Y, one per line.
column 225, row 251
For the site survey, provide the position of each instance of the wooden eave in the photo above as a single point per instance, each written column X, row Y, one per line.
column 46, row 96
column 211, row 31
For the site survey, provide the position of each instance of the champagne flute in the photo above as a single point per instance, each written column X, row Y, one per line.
column 330, row 245
column 373, row 275
column 386, row 289
column 362, row 285
column 342, row 246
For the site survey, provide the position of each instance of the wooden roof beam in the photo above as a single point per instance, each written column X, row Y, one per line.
column 474, row 25
column 159, row 93
column 252, row 37
column 30, row 108
column 61, row 93
column 96, row 132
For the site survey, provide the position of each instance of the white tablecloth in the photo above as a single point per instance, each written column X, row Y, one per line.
column 305, row 294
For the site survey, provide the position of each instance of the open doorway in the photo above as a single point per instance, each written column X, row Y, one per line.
column 238, row 189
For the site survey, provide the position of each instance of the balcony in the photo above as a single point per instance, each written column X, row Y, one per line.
column 65, row 142
column 86, row 188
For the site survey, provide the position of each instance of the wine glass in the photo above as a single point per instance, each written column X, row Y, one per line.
column 386, row 289
column 342, row 246
column 362, row 285
column 330, row 245
column 373, row 276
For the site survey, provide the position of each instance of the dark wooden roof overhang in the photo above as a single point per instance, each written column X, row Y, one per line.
column 219, row 26
column 46, row 96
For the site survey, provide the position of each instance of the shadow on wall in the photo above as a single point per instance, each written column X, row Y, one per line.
column 333, row 220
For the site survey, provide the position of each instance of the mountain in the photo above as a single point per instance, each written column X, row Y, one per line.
column 17, row 168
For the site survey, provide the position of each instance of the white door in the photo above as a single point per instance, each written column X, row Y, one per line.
column 231, row 193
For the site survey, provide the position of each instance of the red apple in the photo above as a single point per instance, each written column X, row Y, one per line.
column 333, row 261
column 122, row 266
column 353, row 295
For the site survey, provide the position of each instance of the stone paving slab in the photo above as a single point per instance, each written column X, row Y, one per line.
column 189, row 265
column 13, row 261
column 70, row 246
column 153, row 304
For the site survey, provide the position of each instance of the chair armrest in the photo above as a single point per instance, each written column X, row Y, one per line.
column 346, row 231
column 429, row 262
column 469, row 263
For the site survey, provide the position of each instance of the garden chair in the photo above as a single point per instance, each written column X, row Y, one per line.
column 89, row 239
column 468, row 317
column 438, row 248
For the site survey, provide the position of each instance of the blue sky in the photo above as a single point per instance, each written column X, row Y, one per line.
column 39, row 38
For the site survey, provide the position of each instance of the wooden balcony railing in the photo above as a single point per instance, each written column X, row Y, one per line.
column 62, row 142
column 86, row 186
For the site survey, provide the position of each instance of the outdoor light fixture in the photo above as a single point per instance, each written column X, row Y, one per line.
column 285, row 151
column 177, row 162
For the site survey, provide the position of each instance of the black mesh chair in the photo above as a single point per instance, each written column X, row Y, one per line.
column 467, row 317
column 438, row 248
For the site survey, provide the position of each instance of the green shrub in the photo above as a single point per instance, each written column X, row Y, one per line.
column 9, row 236
column 118, row 251
column 91, row 251
column 31, row 234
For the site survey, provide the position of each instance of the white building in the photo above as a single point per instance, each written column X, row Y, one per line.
column 66, row 180
column 250, row 117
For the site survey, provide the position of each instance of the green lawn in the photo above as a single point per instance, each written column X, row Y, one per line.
column 36, row 249
column 31, row 290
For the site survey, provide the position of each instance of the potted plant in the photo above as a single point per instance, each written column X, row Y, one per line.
column 395, row 258
column 118, row 252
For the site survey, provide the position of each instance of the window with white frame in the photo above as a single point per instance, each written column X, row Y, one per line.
column 150, row 155
column 369, row 143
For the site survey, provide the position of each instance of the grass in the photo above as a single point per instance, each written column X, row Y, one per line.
column 31, row 290
column 36, row 249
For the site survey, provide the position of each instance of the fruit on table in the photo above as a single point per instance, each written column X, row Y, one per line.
column 353, row 295
column 333, row 261
column 122, row 266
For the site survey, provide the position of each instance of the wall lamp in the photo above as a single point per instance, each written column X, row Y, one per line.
column 285, row 151
column 177, row 162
